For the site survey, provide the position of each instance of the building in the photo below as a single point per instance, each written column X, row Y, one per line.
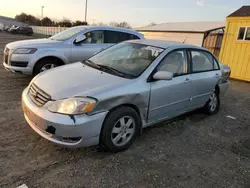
column 235, row 50
column 10, row 21
column 206, row 34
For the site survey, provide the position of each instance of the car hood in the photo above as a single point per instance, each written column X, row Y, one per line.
column 77, row 80
column 31, row 43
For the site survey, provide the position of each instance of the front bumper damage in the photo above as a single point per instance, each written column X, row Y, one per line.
column 80, row 131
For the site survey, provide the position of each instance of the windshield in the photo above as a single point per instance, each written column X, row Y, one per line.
column 128, row 59
column 67, row 34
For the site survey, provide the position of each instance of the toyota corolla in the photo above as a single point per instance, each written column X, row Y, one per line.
column 109, row 98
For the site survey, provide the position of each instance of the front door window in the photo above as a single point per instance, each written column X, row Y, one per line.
column 94, row 37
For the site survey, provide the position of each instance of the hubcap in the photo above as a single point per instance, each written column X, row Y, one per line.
column 47, row 67
column 123, row 131
column 213, row 102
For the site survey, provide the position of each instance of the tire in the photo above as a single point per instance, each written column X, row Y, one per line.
column 40, row 64
column 213, row 104
column 115, row 137
column 29, row 34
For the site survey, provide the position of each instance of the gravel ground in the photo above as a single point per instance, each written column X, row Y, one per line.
column 193, row 150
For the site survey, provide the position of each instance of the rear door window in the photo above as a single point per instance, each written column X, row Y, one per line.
column 115, row 37
column 202, row 61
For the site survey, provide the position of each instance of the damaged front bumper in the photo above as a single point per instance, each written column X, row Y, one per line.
column 78, row 131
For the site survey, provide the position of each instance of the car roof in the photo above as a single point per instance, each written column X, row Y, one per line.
column 111, row 28
column 164, row 44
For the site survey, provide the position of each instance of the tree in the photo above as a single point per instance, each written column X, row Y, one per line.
column 28, row 19
column 47, row 22
column 152, row 23
column 101, row 24
column 77, row 23
column 113, row 24
column 121, row 24
column 65, row 23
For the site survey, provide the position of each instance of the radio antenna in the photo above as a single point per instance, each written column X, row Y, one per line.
column 187, row 37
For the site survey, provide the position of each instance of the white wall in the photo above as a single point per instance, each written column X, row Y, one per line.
column 47, row 30
column 191, row 38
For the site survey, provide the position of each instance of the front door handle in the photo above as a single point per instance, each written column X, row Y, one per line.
column 187, row 80
column 217, row 75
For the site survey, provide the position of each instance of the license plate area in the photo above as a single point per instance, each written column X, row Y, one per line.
column 36, row 121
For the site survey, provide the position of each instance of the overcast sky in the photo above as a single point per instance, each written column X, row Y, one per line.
column 135, row 12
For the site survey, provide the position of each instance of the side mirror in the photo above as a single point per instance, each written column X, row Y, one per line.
column 79, row 39
column 163, row 75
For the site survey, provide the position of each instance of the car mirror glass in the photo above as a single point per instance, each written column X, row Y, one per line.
column 163, row 75
column 79, row 39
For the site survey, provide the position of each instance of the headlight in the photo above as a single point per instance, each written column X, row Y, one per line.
column 25, row 51
column 73, row 106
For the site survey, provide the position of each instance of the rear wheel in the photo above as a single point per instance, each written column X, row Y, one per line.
column 44, row 65
column 120, row 129
column 213, row 104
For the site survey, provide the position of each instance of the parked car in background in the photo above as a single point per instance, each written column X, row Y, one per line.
column 21, row 30
column 6, row 28
column 13, row 27
column 1, row 27
column 110, row 97
column 72, row 45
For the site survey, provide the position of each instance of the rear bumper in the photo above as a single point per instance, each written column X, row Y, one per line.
column 223, row 87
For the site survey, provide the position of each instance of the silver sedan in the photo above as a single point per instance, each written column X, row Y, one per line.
column 109, row 98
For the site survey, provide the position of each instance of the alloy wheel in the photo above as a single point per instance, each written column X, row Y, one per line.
column 123, row 131
column 213, row 102
column 47, row 67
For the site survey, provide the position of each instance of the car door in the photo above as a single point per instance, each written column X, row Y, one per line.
column 20, row 30
column 93, row 44
column 205, row 74
column 170, row 98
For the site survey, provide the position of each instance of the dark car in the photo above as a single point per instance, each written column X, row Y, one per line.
column 21, row 30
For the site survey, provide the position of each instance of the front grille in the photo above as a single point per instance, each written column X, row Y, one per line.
column 18, row 64
column 38, row 96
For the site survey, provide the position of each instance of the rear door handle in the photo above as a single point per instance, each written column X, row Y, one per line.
column 187, row 80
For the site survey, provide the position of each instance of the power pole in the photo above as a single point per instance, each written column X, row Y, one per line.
column 86, row 10
column 42, row 12
column 42, row 15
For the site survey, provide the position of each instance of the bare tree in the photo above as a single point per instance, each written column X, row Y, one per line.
column 121, row 24
column 77, row 23
column 152, row 23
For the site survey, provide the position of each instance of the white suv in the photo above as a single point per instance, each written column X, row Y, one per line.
column 31, row 57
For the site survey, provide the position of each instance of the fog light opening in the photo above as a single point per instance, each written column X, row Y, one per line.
column 71, row 139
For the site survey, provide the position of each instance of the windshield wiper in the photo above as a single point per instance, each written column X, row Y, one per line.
column 91, row 63
column 117, row 72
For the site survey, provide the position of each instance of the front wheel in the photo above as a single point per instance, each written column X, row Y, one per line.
column 120, row 129
column 213, row 104
column 44, row 65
